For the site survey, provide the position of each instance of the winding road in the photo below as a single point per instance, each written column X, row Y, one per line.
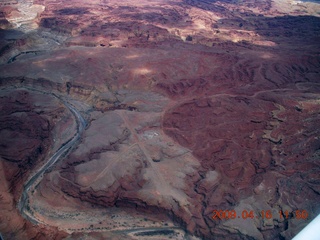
column 35, row 179
column 32, row 182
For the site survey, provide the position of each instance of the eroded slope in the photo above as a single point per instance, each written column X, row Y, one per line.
column 193, row 106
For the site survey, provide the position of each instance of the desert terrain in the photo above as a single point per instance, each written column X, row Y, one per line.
column 162, row 119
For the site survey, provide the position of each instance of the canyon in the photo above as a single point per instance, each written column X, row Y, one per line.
column 141, row 119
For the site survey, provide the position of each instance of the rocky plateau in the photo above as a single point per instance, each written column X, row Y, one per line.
column 191, row 107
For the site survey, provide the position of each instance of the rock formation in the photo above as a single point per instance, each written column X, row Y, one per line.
column 202, row 118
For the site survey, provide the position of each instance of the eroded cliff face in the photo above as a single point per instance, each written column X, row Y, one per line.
column 27, row 131
column 192, row 107
column 254, row 152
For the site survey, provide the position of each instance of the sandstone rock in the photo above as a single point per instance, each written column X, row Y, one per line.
column 192, row 106
column 27, row 125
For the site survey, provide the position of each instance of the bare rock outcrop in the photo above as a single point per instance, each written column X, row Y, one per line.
column 27, row 129
column 203, row 118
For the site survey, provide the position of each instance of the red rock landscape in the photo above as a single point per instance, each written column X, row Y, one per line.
column 177, row 119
